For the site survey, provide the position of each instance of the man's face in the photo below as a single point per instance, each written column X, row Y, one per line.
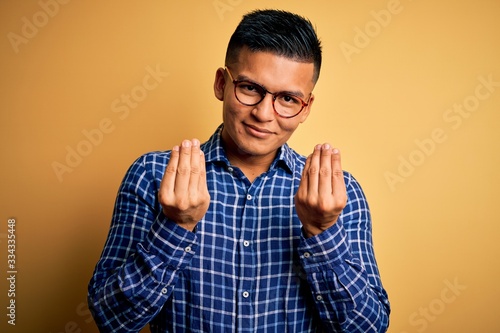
column 257, row 132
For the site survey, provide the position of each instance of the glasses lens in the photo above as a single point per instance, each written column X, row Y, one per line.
column 287, row 105
column 249, row 93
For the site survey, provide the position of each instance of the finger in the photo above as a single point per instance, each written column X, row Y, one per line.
column 202, row 183
column 338, row 183
column 325, row 172
column 313, row 172
column 183, row 168
column 168, row 182
column 304, row 181
column 195, row 169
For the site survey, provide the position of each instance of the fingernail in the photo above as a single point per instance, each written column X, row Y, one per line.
column 176, row 148
column 186, row 143
column 318, row 147
column 335, row 151
column 326, row 146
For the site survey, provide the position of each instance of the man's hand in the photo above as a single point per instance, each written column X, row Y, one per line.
column 321, row 196
column 183, row 191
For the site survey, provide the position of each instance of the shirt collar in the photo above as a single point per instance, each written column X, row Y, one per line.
column 214, row 152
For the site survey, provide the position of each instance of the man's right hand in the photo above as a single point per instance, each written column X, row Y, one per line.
column 183, row 191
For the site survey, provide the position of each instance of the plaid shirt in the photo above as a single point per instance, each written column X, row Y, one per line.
column 246, row 268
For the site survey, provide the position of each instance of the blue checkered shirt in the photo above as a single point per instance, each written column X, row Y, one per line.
column 246, row 268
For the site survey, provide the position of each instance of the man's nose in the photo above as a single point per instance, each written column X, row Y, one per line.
column 264, row 111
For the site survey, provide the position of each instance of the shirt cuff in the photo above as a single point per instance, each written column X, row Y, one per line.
column 170, row 244
column 328, row 249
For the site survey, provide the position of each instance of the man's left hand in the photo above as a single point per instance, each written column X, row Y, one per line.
column 321, row 196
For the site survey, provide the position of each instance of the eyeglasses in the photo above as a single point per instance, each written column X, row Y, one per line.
column 285, row 104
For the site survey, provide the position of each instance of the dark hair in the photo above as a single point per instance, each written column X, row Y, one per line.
column 279, row 32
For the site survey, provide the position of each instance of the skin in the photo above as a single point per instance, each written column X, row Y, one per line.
column 252, row 136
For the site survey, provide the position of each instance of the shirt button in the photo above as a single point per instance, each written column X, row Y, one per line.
column 319, row 298
column 230, row 169
column 164, row 291
column 246, row 294
column 188, row 249
column 246, row 243
column 249, row 197
column 307, row 255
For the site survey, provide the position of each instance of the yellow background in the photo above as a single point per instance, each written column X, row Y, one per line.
column 385, row 87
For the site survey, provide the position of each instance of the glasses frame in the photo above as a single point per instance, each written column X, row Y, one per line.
column 275, row 95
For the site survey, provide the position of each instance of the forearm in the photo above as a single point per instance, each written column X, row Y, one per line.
column 347, row 290
column 125, row 297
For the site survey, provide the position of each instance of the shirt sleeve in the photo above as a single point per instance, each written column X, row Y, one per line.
column 342, row 271
column 143, row 254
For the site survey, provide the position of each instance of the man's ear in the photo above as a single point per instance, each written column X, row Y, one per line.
column 219, row 84
column 305, row 113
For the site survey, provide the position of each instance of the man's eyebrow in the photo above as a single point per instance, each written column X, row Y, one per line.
column 241, row 77
column 293, row 93
column 297, row 93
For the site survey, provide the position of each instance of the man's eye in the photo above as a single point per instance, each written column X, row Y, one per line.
column 249, row 88
column 289, row 99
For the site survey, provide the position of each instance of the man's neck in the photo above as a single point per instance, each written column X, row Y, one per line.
column 251, row 166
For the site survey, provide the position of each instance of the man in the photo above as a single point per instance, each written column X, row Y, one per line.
column 241, row 233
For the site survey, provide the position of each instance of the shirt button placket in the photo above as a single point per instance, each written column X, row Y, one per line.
column 248, row 259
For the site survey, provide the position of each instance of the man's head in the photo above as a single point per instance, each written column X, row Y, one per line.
column 272, row 64
column 278, row 32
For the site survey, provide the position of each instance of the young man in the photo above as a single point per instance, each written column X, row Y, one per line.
column 241, row 233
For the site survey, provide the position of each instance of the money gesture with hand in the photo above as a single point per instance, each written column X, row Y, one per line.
column 321, row 196
column 183, row 191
